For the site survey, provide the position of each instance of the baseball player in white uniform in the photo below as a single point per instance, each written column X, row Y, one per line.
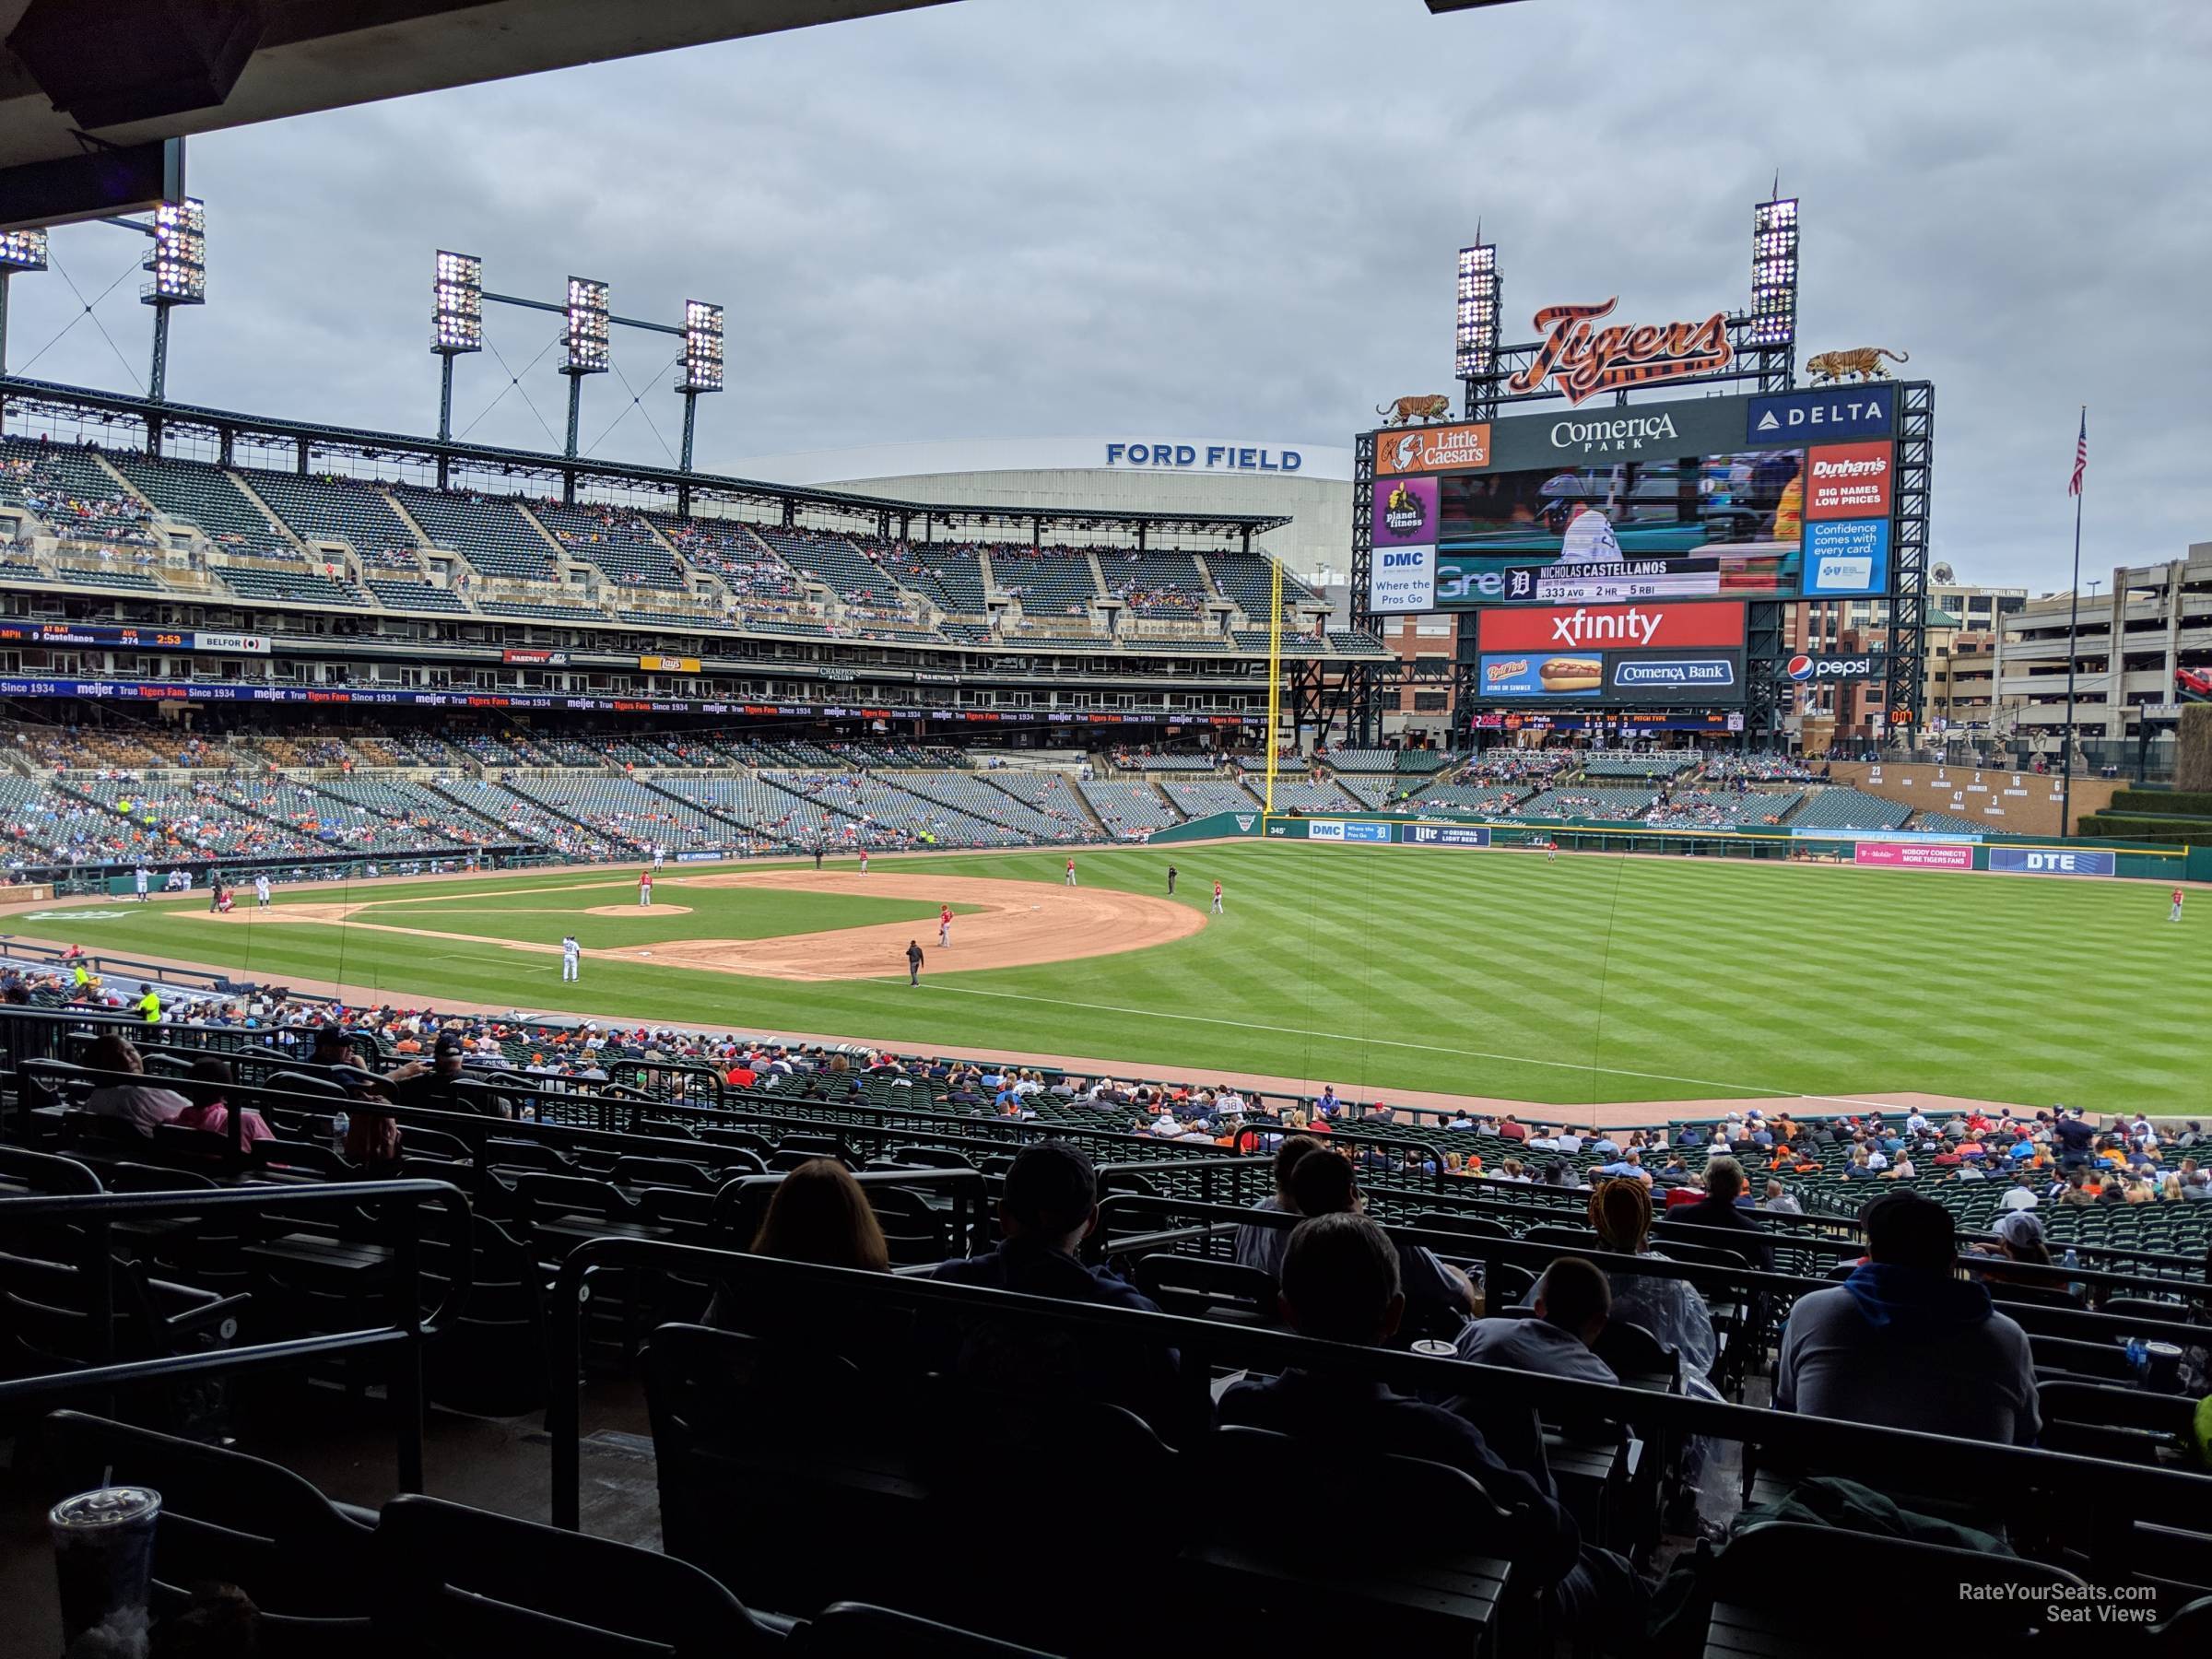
column 138, row 877
column 260, row 891
column 660, row 856
column 572, row 958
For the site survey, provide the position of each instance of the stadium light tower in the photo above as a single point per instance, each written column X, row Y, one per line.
column 456, row 323
column 1774, row 290
column 587, row 345
column 179, row 268
column 703, row 364
column 19, row 250
column 1475, row 338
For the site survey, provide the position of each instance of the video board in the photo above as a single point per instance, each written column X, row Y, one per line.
column 1778, row 497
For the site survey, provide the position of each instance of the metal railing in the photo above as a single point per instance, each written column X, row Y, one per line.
column 402, row 1336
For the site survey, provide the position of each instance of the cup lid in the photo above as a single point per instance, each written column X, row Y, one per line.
column 109, row 1506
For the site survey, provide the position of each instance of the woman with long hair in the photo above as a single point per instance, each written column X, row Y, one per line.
column 819, row 1214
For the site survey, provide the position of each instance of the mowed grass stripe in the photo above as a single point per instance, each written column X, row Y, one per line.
column 1496, row 973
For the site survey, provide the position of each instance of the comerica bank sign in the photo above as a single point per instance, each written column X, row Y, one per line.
column 1205, row 457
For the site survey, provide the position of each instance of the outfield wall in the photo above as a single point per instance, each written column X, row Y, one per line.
column 2005, row 855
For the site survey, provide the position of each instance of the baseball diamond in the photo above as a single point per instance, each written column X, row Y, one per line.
column 1591, row 979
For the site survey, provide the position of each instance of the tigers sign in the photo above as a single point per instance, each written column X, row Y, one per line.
column 1580, row 361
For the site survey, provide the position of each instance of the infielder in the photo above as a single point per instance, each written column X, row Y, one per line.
column 139, row 877
column 1071, row 869
column 864, row 861
column 572, row 958
column 260, row 891
column 945, row 927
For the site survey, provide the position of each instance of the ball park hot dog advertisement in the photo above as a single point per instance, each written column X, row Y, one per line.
column 1624, row 654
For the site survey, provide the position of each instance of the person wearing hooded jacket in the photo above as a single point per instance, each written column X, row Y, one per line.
column 1904, row 1343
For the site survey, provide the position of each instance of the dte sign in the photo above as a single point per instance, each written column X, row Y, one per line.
column 1219, row 457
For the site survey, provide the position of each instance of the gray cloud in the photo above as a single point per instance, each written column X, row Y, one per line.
column 1013, row 217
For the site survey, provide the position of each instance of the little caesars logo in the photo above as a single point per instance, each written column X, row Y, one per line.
column 1613, row 437
column 1583, row 362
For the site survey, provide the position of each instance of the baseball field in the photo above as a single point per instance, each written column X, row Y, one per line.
column 1589, row 980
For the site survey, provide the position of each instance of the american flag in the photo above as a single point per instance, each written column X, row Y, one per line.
column 2081, row 457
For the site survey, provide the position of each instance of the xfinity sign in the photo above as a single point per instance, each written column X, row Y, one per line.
column 1820, row 416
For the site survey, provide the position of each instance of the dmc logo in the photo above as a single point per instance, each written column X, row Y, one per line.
column 1244, row 820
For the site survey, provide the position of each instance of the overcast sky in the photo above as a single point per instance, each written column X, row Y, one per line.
column 1239, row 217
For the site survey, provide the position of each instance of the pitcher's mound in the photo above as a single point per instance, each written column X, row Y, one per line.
column 639, row 909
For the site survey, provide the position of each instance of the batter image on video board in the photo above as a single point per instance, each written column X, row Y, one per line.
column 1604, row 532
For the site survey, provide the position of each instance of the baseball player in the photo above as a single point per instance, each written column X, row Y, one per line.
column 660, row 856
column 261, row 890
column 944, row 926
column 572, row 958
column 1172, row 872
column 1071, row 869
column 864, row 861
column 1551, row 852
column 646, row 890
column 2175, row 914
column 1217, row 895
column 139, row 877
column 913, row 961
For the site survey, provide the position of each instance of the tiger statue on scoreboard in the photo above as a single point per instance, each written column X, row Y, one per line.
column 1864, row 364
column 1434, row 406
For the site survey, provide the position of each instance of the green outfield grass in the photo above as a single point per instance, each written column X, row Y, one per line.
column 1593, row 978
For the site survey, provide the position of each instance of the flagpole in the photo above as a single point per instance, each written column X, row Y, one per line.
column 2065, row 789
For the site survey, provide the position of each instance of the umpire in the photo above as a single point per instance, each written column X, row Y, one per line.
column 914, row 962
column 1172, row 872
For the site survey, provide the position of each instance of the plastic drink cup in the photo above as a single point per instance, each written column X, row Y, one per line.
column 103, row 1553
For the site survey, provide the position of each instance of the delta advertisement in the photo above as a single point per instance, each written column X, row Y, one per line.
column 1721, row 497
column 1622, row 653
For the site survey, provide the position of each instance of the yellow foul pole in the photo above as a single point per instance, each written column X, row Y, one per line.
column 1274, row 673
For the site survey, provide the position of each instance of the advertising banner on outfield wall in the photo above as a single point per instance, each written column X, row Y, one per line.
column 1446, row 835
column 1336, row 830
column 2037, row 861
column 1914, row 856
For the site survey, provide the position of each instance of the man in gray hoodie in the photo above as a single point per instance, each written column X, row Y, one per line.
column 1904, row 1343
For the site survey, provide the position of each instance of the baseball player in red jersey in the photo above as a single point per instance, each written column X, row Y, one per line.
column 645, row 888
column 1071, row 869
column 944, row 926
column 2175, row 914
column 1216, row 896
column 864, row 861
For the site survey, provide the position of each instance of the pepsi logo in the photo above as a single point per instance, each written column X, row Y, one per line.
column 1800, row 667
